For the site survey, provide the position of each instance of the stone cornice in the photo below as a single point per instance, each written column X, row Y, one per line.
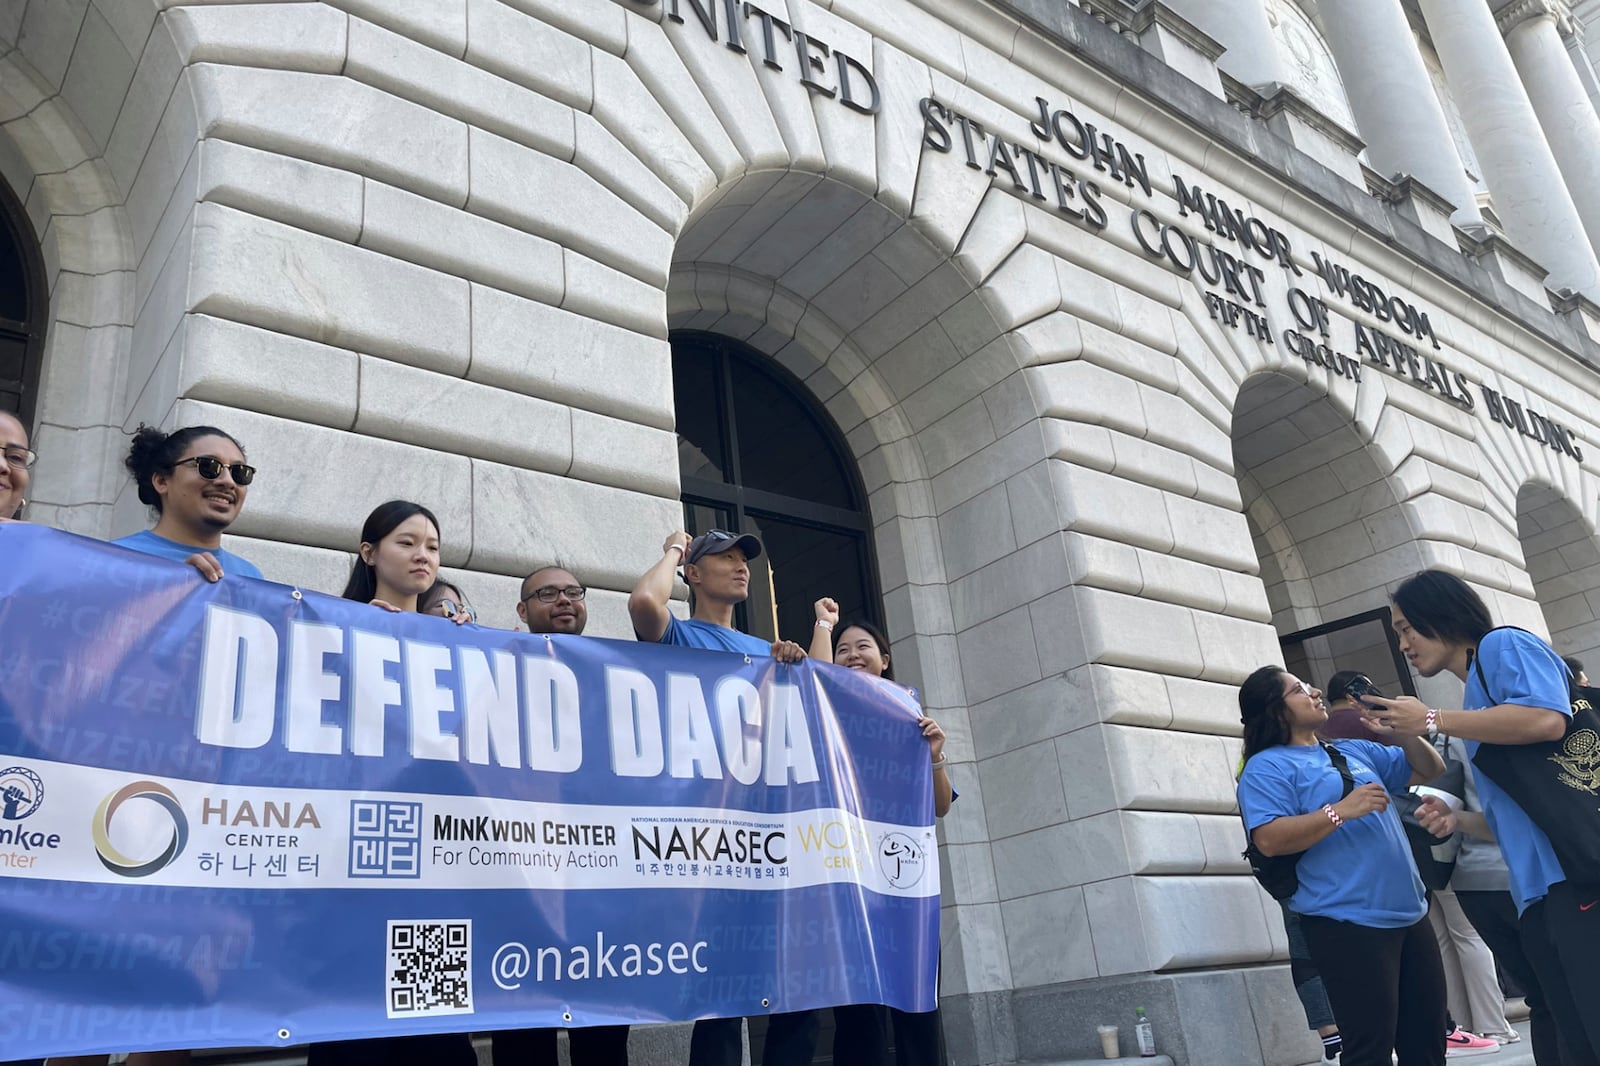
column 1273, row 99
column 1402, row 187
column 1153, row 12
column 1116, row 14
column 1079, row 35
column 1482, row 240
column 1517, row 12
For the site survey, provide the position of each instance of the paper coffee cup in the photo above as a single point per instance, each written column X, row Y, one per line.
column 1449, row 799
column 1108, row 1041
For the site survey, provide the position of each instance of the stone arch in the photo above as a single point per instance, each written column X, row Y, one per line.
column 831, row 280
column 1330, row 520
column 1307, row 472
column 1563, row 562
column 836, row 246
column 87, row 90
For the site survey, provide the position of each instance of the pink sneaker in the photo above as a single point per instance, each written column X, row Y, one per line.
column 1460, row 1044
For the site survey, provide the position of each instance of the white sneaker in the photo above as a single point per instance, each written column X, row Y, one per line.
column 1510, row 1036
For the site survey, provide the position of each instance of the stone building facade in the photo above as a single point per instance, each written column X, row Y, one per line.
column 1162, row 339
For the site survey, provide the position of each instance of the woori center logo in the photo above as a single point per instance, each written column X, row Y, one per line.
column 112, row 857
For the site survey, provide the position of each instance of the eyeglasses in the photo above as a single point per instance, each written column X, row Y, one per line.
column 552, row 593
column 1301, row 687
column 211, row 468
column 450, row 608
column 16, row 455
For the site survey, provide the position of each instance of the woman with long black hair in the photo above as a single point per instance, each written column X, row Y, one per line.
column 861, row 1030
column 396, row 564
column 398, row 559
column 1360, row 902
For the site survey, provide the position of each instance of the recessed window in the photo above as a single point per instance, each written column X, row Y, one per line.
column 756, row 453
column 22, row 309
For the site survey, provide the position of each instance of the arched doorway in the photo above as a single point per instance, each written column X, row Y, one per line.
column 1330, row 530
column 756, row 454
column 1563, row 558
column 23, row 304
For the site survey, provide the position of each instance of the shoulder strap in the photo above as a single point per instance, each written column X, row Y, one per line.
column 1336, row 757
column 1477, row 666
column 1477, row 662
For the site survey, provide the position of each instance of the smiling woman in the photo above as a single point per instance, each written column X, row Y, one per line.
column 1359, row 901
column 196, row 480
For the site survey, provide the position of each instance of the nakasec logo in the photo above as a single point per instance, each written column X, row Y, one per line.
column 21, row 792
column 127, row 866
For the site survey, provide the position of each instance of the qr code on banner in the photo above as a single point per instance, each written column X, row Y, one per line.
column 430, row 968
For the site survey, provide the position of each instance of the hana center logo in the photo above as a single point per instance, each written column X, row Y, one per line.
column 111, row 857
column 21, row 792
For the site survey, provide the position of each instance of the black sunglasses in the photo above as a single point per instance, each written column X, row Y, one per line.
column 211, row 468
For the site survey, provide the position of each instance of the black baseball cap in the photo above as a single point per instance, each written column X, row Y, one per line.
column 717, row 541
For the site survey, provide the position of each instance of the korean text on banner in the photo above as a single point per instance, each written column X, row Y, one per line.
column 239, row 814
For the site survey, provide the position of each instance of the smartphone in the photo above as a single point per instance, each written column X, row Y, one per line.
column 1363, row 686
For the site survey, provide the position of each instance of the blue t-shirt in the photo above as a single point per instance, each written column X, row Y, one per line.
column 692, row 633
column 147, row 542
column 1363, row 873
column 1520, row 669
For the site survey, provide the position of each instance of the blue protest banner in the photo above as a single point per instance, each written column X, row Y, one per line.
column 242, row 814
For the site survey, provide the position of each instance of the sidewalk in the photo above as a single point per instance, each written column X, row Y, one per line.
column 1518, row 1054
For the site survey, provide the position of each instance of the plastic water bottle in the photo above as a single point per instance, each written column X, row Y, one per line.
column 1144, row 1034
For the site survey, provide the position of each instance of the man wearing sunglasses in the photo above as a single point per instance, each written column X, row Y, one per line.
column 195, row 479
column 716, row 567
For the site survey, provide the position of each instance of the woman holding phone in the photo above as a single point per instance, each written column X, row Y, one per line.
column 1360, row 902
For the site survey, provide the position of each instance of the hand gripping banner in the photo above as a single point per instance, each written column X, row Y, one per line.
column 245, row 815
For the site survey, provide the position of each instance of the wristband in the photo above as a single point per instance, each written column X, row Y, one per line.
column 823, row 623
column 675, row 547
column 938, row 764
column 1333, row 815
column 1431, row 723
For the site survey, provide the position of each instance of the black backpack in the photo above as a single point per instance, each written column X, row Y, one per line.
column 1277, row 873
column 1556, row 782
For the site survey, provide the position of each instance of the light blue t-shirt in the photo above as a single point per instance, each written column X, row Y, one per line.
column 1524, row 670
column 692, row 633
column 147, row 542
column 1363, row 873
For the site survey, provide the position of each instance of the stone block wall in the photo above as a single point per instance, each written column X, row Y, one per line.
column 434, row 248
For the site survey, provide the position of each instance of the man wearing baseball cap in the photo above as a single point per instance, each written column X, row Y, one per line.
column 716, row 567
